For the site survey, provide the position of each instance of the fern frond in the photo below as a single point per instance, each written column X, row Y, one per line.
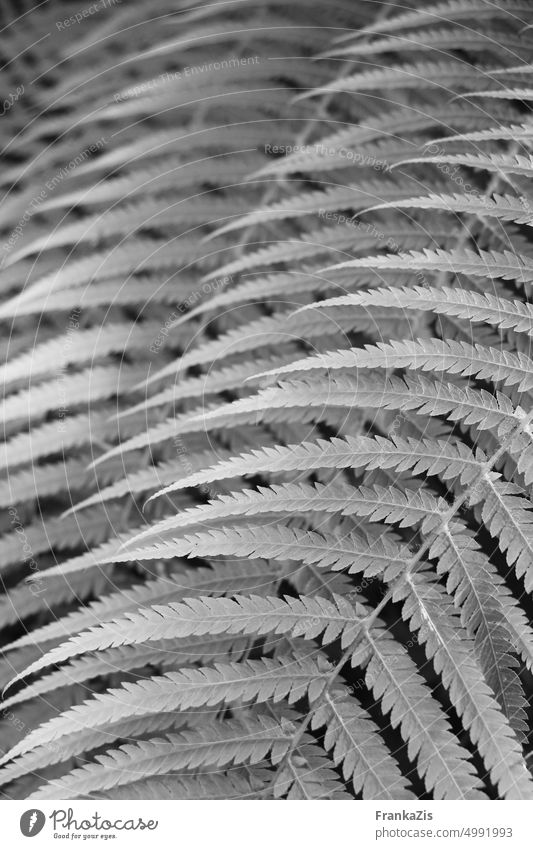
column 503, row 207
column 42, row 757
column 451, row 74
column 310, row 244
column 143, row 256
column 338, row 453
column 230, row 785
column 249, row 616
column 457, row 302
column 120, row 660
column 47, row 439
column 501, row 163
column 220, row 578
column 309, row 775
column 447, row 11
column 355, row 197
column 487, row 612
column 357, row 745
column 223, row 683
column 429, row 355
column 345, row 148
column 331, row 600
column 214, row 382
column 393, row 678
column 48, row 479
column 508, row 516
column 90, row 345
column 90, row 385
column 217, row 745
column 426, row 456
column 431, row 613
column 515, row 132
column 441, row 39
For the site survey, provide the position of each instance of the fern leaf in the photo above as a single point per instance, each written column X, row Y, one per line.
column 216, row 745
column 441, row 39
column 486, row 611
column 42, row 757
column 503, row 207
column 309, row 775
column 218, row 579
column 354, row 197
column 246, row 615
column 501, row 163
column 508, row 516
column 223, row 683
column 393, row 677
column 230, row 785
column 430, row 612
column 90, row 345
column 426, row 456
column 447, row 11
column 457, row 302
column 120, row 660
column 515, row 132
column 428, row 355
column 357, row 745
column 86, row 386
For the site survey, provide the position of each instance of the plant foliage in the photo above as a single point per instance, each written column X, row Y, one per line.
column 268, row 401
